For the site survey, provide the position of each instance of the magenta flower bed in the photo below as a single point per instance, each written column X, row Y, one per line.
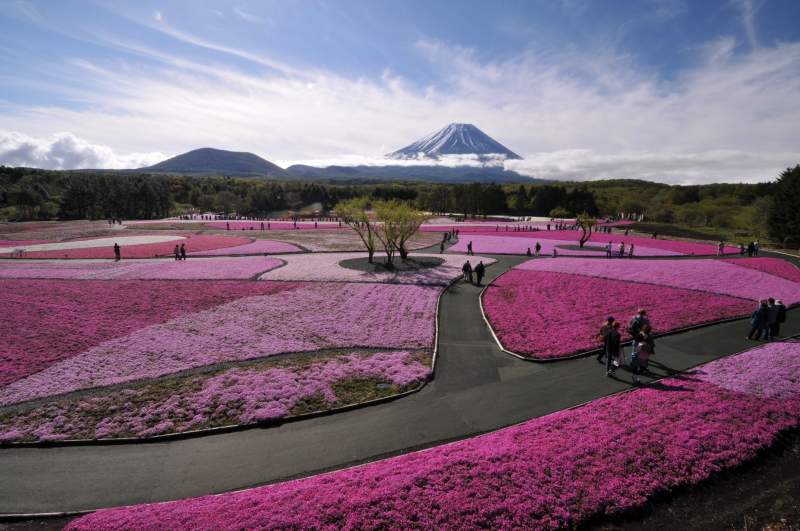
column 275, row 225
column 773, row 266
column 771, row 371
column 555, row 472
column 237, row 396
column 296, row 318
column 46, row 321
column 714, row 276
column 202, row 269
column 642, row 246
column 256, row 247
column 553, row 315
column 193, row 242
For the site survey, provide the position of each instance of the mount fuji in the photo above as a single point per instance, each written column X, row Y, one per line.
column 455, row 139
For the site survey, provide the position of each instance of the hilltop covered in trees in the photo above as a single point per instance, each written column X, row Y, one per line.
column 760, row 209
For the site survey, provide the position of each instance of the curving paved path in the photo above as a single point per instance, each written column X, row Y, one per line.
column 477, row 388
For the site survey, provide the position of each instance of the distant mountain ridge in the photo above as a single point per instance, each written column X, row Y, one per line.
column 218, row 161
column 455, row 139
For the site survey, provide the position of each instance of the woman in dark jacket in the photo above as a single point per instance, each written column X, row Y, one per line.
column 781, row 317
column 758, row 321
column 612, row 348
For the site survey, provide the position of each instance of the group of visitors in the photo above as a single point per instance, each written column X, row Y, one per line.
column 643, row 345
column 620, row 250
column 767, row 319
column 479, row 271
column 180, row 252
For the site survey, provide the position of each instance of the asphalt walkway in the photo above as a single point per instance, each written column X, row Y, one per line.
column 477, row 388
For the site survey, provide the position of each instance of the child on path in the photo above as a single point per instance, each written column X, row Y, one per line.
column 601, row 336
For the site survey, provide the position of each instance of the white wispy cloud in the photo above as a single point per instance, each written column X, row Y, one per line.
column 65, row 151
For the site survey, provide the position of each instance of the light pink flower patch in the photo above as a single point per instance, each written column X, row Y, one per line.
column 193, row 242
column 274, row 225
column 771, row 371
column 519, row 245
column 46, row 321
column 298, row 318
column 237, row 396
column 553, row 315
column 202, row 269
column 773, row 266
column 714, row 276
column 256, row 247
column 555, row 472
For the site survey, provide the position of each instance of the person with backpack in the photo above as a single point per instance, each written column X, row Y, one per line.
column 601, row 336
column 643, row 348
column 480, row 270
column 637, row 322
column 467, row 270
column 781, row 317
column 758, row 321
column 537, row 248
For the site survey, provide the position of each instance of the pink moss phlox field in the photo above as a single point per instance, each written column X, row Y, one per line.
column 771, row 371
column 553, row 315
column 325, row 267
column 554, row 472
column 304, row 319
column 275, row 225
column 242, row 395
column 484, row 243
column 256, row 247
column 773, row 266
column 193, row 242
column 46, row 321
column 713, row 276
column 201, row 269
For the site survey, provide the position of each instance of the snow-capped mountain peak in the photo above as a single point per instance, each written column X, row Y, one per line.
column 455, row 139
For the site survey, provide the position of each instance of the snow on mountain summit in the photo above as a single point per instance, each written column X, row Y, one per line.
column 455, row 139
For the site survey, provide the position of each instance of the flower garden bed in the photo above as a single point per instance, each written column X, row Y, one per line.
column 555, row 315
column 164, row 246
column 275, row 225
column 505, row 243
column 241, row 395
column 325, row 267
column 773, row 266
column 54, row 320
column 256, row 247
column 604, row 458
column 278, row 318
column 714, row 276
column 202, row 269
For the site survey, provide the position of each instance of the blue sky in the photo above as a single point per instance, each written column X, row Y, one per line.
column 666, row 90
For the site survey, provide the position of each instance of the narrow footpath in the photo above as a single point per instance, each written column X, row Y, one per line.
column 477, row 388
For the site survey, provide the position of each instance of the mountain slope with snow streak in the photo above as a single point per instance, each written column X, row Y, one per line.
column 455, row 139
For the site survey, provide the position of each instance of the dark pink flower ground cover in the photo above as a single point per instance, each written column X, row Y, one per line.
column 553, row 315
column 46, row 321
column 231, row 397
column 555, row 472
column 773, row 266
column 193, row 242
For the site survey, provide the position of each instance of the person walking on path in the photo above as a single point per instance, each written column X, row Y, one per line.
column 758, row 321
column 441, row 247
column 637, row 322
column 528, row 253
column 720, row 249
column 608, row 250
column 643, row 348
column 742, row 250
column 177, row 252
column 756, row 247
column 117, row 252
column 772, row 319
column 537, row 248
column 183, row 251
column 621, row 250
column 480, row 270
column 469, row 249
column 467, row 270
column 630, row 251
column 612, row 348
column 751, row 248
column 781, row 316
column 601, row 336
